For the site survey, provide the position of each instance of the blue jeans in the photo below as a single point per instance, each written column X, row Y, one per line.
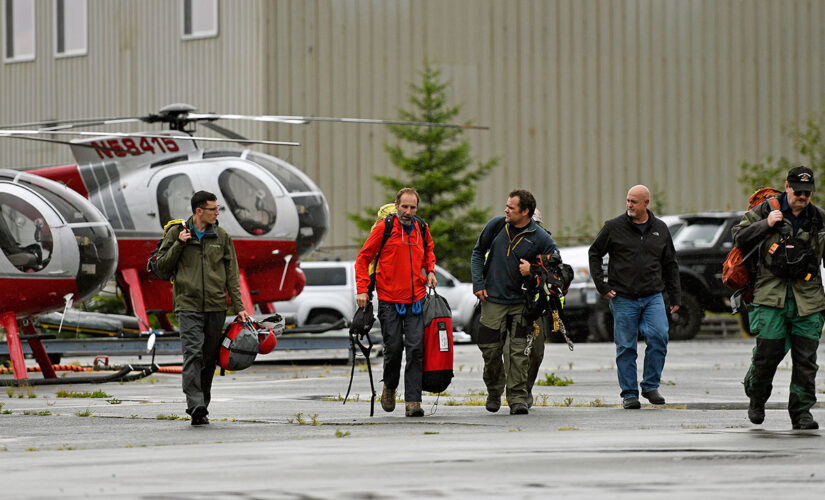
column 630, row 316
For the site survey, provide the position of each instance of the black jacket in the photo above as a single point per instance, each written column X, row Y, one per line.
column 640, row 264
column 501, row 277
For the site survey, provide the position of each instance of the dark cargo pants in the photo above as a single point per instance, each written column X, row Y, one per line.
column 778, row 330
column 502, row 324
column 200, row 337
column 536, row 354
column 399, row 332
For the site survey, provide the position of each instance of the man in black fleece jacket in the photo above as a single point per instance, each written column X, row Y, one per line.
column 642, row 264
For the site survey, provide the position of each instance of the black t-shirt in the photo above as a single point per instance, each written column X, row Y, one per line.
column 514, row 231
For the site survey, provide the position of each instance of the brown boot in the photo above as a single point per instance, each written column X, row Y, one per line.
column 415, row 410
column 388, row 399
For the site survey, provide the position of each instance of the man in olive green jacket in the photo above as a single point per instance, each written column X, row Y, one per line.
column 201, row 257
column 788, row 298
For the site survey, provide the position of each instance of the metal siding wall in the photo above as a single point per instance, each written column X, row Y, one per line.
column 584, row 97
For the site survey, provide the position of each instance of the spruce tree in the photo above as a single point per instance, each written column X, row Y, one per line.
column 436, row 162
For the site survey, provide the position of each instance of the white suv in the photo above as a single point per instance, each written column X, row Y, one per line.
column 329, row 295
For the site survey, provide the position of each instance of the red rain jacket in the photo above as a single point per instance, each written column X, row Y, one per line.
column 403, row 266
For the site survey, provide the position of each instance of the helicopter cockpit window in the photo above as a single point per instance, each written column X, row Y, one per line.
column 174, row 193
column 291, row 180
column 25, row 238
column 250, row 201
column 73, row 210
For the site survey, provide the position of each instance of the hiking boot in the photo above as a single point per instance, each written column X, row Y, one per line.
column 199, row 416
column 493, row 403
column 631, row 403
column 530, row 400
column 388, row 399
column 654, row 397
column 756, row 412
column 805, row 422
column 519, row 409
column 414, row 409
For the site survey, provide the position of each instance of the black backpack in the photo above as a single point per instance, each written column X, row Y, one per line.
column 151, row 264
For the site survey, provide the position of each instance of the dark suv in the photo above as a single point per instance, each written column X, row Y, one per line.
column 701, row 247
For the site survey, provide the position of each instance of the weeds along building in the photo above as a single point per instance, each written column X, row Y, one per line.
column 583, row 98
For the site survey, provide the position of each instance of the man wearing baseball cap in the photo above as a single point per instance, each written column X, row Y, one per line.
column 788, row 299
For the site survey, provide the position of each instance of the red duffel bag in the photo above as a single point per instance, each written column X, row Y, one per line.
column 438, row 343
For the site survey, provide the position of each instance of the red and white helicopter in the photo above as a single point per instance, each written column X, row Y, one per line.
column 274, row 212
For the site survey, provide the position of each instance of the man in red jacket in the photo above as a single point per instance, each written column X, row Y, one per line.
column 405, row 270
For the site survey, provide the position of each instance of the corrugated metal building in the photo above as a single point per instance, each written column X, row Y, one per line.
column 584, row 97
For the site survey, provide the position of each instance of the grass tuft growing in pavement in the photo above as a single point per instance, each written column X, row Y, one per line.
column 72, row 394
column 170, row 417
column 466, row 402
column 550, row 379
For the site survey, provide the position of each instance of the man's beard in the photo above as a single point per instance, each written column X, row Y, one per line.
column 405, row 219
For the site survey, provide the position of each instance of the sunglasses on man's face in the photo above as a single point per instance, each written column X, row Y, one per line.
column 806, row 194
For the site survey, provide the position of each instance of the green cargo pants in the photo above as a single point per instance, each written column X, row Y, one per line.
column 502, row 324
column 777, row 331
column 536, row 356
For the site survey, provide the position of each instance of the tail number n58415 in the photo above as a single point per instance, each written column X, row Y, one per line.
column 122, row 147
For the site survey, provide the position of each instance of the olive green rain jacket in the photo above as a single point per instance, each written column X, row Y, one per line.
column 771, row 290
column 203, row 270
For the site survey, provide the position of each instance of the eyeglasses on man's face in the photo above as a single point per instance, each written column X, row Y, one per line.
column 806, row 194
column 213, row 209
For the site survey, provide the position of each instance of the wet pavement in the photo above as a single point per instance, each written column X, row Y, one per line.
column 279, row 430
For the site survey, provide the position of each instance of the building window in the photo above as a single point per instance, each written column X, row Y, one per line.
column 200, row 19
column 18, row 32
column 70, row 28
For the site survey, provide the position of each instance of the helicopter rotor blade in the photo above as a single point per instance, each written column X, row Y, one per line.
column 83, row 122
column 68, row 143
column 179, row 115
column 223, row 131
column 94, row 123
column 302, row 120
column 11, row 133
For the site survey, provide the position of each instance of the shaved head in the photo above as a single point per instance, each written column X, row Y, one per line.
column 640, row 191
column 637, row 200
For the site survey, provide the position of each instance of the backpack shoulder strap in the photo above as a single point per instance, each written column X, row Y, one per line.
column 388, row 223
column 422, row 226
column 499, row 226
column 774, row 201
